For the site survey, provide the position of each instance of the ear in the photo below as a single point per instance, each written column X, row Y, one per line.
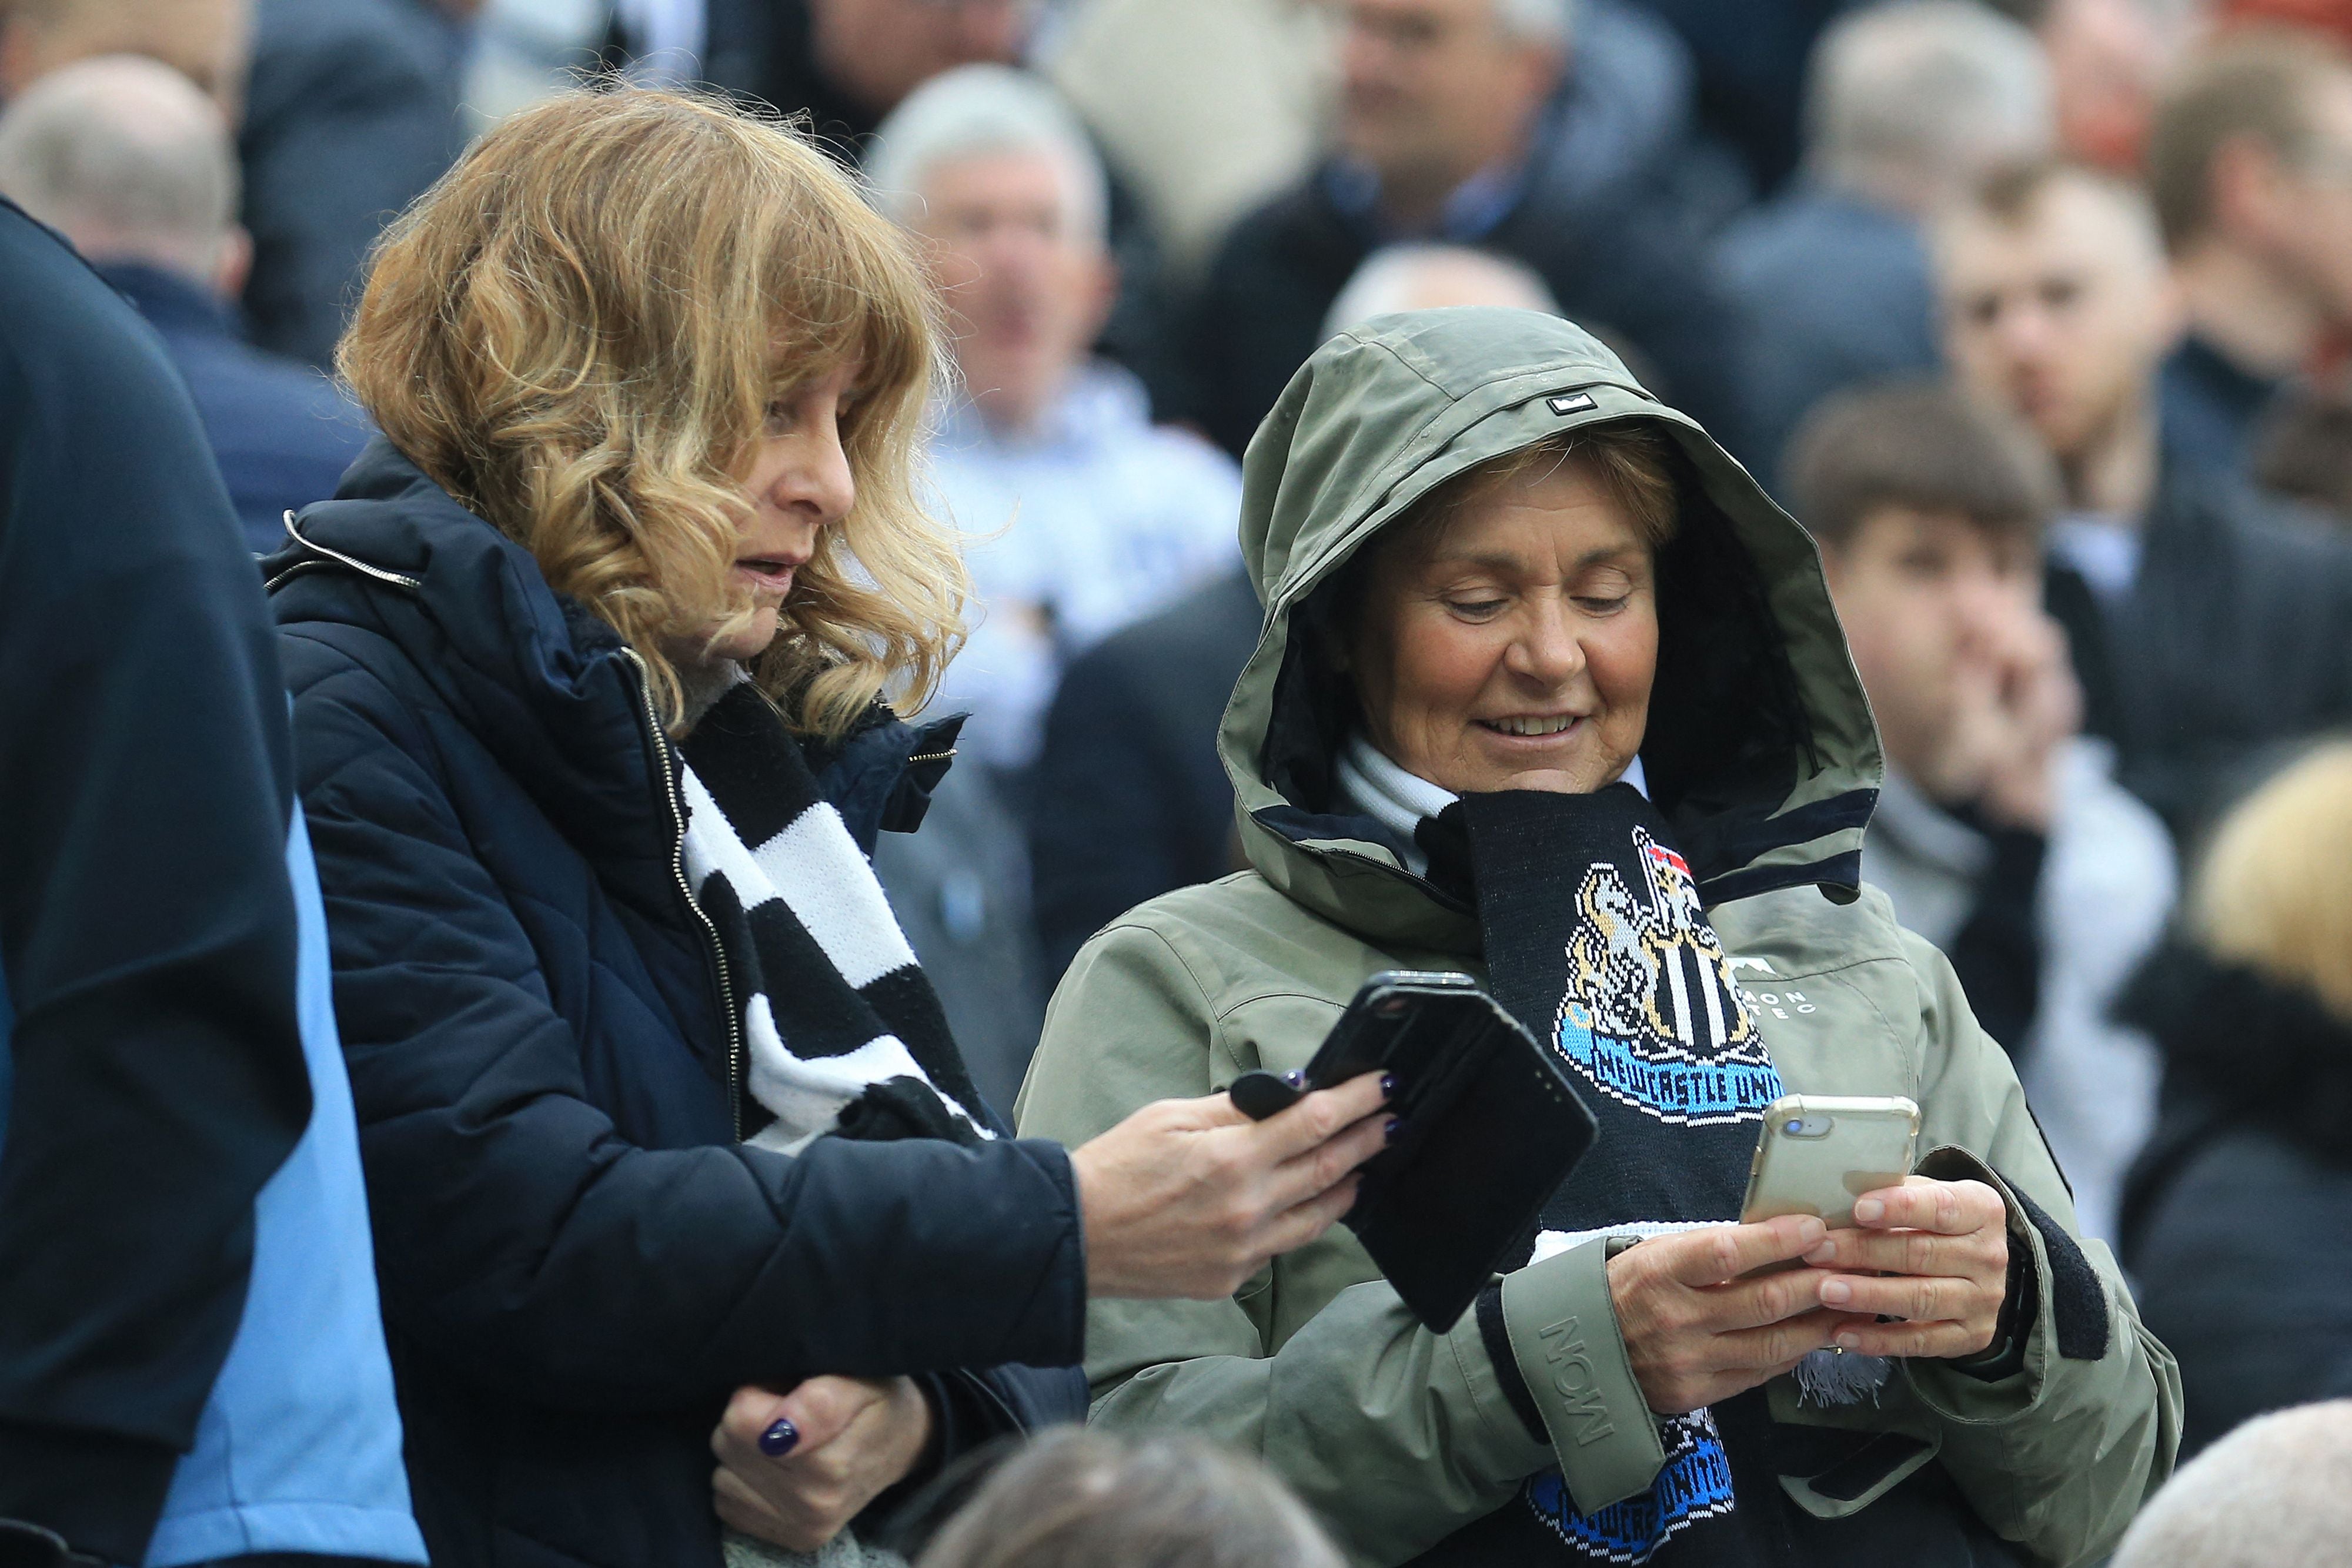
column 2244, row 187
column 233, row 264
column 1101, row 291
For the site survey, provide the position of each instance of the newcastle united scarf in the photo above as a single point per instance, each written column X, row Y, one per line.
column 841, row 1033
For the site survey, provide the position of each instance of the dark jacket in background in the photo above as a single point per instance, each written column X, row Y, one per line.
column 2236, row 636
column 1828, row 293
column 2211, row 407
column 152, row 1072
column 579, row 1262
column 1752, row 56
column 350, row 111
column 1629, row 273
column 961, row 891
column 1131, row 800
column 2237, row 1222
column 280, row 432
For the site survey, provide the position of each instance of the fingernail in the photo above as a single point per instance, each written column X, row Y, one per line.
column 1870, row 1211
column 1388, row 1085
column 1394, row 1123
column 777, row 1440
column 1810, row 1230
column 1822, row 1254
column 1295, row 1078
column 1849, row 1341
column 1836, row 1292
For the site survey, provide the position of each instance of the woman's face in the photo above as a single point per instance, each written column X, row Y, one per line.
column 1514, row 651
column 798, row 483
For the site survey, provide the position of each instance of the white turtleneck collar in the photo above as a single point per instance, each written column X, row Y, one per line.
column 1377, row 786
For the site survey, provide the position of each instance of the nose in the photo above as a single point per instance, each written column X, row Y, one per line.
column 1548, row 650
column 816, row 484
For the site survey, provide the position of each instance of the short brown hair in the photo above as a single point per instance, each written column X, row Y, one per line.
column 576, row 333
column 1080, row 1499
column 2258, row 84
column 1920, row 444
column 1630, row 461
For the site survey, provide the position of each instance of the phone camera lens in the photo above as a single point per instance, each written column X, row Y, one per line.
column 1794, row 1128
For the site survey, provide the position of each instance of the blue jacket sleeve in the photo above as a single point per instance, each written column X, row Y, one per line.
column 522, row 1240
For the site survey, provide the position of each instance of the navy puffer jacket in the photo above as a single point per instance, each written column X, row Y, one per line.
column 579, row 1262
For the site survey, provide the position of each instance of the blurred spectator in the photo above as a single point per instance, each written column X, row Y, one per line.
column 1447, row 132
column 207, row 41
column 1906, row 105
column 1100, row 517
column 2238, row 1219
column 2106, row 58
column 846, row 65
column 352, row 112
column 1213, row 108
column 133, row 165
column 1076, row 1499
column 192, row 1356
column 2225, row 620
column 2000, row 835
column 1209, row 107
column 2278, row 1494
column 1750, row 56
column 1087, row 516
column 2303, row 450
column 1131, row 800
column 2319, row 15
column 2250, row 169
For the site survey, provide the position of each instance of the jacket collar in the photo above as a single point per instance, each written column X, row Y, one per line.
column 170, row 303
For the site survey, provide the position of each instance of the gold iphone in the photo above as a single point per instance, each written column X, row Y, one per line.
column 1817, row 1154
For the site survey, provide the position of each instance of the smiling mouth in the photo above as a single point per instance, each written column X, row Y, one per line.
column 1537, row 727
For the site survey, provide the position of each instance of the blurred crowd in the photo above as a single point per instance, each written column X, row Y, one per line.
column 2036, row 313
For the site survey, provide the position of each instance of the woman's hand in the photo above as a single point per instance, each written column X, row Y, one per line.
column 1933, row 1254
column 1696, row 1331
column 794, row 1468
column 1190, row 1198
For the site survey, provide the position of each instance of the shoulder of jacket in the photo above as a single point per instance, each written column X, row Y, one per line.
column 1242, row 940
column 1795, row 933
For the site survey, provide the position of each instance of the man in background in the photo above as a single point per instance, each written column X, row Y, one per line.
column 2206, row 623
column 1082, row 516
column 125, row 158
column 2001, row 834
column 1131, row 800
column 1906, row 105
column 1445, row 133
column 2250, row 169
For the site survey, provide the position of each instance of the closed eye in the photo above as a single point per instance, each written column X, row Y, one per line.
column 1476, row 608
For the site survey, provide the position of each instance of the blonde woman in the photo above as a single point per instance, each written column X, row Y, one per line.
column 2237, row 1222
column 593, row 657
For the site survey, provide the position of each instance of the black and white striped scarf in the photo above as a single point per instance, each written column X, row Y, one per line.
column 843, row 1032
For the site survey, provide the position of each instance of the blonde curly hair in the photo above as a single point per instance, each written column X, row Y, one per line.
column 577, row 333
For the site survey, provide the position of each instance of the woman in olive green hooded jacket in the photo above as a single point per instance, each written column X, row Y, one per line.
column 1582, row 1412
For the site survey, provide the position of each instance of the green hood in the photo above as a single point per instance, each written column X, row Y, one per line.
column 1761, row 751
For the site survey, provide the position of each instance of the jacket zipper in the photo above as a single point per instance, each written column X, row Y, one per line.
column 712, row 949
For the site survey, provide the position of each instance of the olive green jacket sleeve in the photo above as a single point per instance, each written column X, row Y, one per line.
column 2059, row 1456
column 1396, row 1435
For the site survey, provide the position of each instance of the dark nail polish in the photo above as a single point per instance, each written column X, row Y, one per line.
column 1295, row 1078
column 1388, row 1085
column 1394, row 1123
column 778, row 1440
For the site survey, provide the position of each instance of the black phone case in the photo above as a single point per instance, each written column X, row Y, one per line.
column 1490, row 1128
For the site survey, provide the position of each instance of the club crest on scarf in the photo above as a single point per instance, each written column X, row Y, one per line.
column 1652, row 1016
